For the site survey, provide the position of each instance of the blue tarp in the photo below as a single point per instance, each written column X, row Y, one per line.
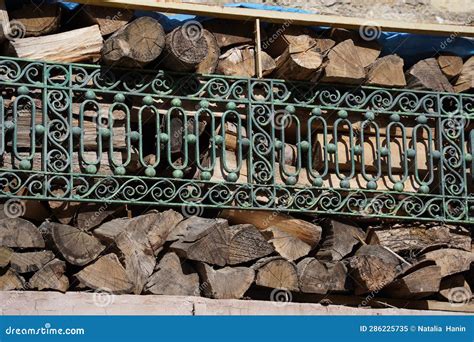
column 411, row 47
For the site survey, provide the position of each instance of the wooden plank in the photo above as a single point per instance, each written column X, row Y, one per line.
column 281, row 17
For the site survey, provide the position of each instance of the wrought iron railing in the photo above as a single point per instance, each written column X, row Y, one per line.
column 84, row 133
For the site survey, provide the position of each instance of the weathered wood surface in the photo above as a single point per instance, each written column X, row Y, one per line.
column 51, row 277
column 5, row 256
column 387, row 72
column 426, row 74
column 209, row 63
column 37, row 20
column 320, row 277
column 465, row 80
column 344, row 64
column 285, row 244
column 340, row 239
column 20, row 233
column 276, row 273
column 30, row 261
column 172, row 277
column 450, row 260
column 108, row 19
column 240, row 61
column 10, row 280
column 451, row 66
column 78, row 45
column 227, row 282
column 185, row 48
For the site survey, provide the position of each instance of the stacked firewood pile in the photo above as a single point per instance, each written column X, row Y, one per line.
column 116, row 38
column 238, row 255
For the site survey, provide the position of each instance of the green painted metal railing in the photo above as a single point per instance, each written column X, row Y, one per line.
column 84, row 133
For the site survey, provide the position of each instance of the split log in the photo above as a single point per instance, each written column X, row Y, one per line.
column 300, row 61
column 209, row 64
column 276, row 273
column 261, row 219
column 240, row 61
column 185, row 49
column 288, row 246
column 225, row 283
column 280, row 37
column 367, row 50
column 465, row 80
column 72, row 46
column 451, row 261
column 139, row 240
column 340, row 240
column 230, row 33
column 37, row 20
column 91, row 215
column 344, row 64
column 387, row 72
column 19, row 233
column 451, row 66
column 418, row 282
column 223, row 245
column 4, row 22
column 134, row 45
column 30, row 261
column 109, row 19
column 5, row 256
column 322, row 277
column 10, row 280
column 194, row 228
column 64, row 211
column 51, row 277
column 373, row 268
column 405, row 238
column 455, row 289
column 106, row 274
column 173, row 278
column 75, row 245
column 426, row 74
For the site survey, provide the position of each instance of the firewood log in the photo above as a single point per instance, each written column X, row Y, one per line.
column 303, row 230
column 340, row 239
column 225, row 283
column 426, row 74
column 240, row 61
column 450, row 260
column 276, row 273
column 19, row 233
column 455, row 289
column 344, row 64
column 51, row 277
column 64, row 211
column 451, row 66
column 30, row 261
column 373, row 268
column 10, row 280
column 230, row 33
column 4, row 22
column 109, row 19
column 320, row 277
column 185, row 48
column 106, row 274
column 37, row 20
column 285, row 244
column 300, row 61
column 367, row 50
column 209, row 64
column 194, row 228
column 173, row 277
column 387, row 72
column 465, row 80
column 408, row 237
column 139, row 241
column 76, row 246
column 72, row 46
column 134, row 45
column 280, row 37
column 223, row 245
column 5, row 256
column 417, row 282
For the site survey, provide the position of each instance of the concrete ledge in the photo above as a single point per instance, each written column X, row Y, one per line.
column 86, row 303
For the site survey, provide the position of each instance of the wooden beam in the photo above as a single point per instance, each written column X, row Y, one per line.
column 258, row 49
column 282, row 17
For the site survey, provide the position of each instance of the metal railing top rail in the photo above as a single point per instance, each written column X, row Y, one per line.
column 79, row 132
